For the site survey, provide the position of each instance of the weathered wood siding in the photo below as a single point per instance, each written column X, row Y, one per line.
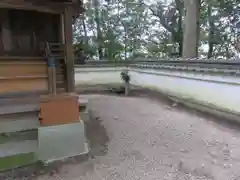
column 23, row 76
column 24, row 26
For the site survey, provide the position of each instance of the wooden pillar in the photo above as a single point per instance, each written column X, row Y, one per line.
column 6, row 31
column 69, row 49
column 61, row 29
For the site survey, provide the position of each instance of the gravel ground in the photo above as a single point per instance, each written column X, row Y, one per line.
column 150, row 140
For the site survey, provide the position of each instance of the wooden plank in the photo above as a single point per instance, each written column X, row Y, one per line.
column 61, row 31
column 22, row 76
column 69, row 51
column 21, row 70
column 15, row 59
column 23, row 85
column 55, row 8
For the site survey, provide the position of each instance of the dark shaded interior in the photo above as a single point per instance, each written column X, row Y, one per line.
column 22, row 33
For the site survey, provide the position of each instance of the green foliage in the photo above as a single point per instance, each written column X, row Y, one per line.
column 123, row 29
column 125, row 76
column 88, row 50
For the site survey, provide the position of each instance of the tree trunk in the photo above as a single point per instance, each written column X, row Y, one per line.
column 99, row 32
column 228, row 55
column 127, row 88
column 191, row 29
column 211, row 32
column 85, row 32
column 180, row 48
column 125, row 43
column 179, row 6
column 180, row 36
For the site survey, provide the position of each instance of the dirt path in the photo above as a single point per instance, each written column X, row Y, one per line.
column 148, row 140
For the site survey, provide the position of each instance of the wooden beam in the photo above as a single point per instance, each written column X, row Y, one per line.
column 23, row 5
column 61, row 31
column 6, row 30
column 69, row 49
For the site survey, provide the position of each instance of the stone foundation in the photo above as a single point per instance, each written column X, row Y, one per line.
column 49, row 141
column 61, row 141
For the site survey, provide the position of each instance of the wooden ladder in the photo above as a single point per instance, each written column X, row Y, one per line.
column 57, row 51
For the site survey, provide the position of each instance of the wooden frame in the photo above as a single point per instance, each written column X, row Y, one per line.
column 68, row 13
column 65, row 12
column 22, row 5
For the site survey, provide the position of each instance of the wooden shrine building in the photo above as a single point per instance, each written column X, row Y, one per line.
column 25, row 27
column 37, row 79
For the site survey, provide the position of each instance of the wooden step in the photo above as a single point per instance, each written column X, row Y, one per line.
column 20, row 98
column 58, row 55
column 57, row 49
column 61, row 90
column 17, row 59
column 19, row 122
column 18, row 149
column 18, row 108
column 18, row 136
column 19, row 113
column 83, row 109
column 84, row 115
column 83, row 101
column 23, row 77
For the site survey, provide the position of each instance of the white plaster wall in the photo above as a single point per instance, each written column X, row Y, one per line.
column 92, row 76
column 220, row 91
column 208, row 90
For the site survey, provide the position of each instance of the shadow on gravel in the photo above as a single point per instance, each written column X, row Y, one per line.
column 96, row 135
column 154, row 95
column 97, row 139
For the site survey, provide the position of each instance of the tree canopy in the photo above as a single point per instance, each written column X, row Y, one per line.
column 120, row 29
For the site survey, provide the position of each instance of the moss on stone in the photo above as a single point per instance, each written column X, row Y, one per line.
column 15, row 161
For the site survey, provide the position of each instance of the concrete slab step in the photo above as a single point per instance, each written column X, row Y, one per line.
column 17, row 149
column 84, row 115
column 83, row 103
column 18, row 136
column 61, row 142
column 19, row 122
column 83, row 109
column 18, row 108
